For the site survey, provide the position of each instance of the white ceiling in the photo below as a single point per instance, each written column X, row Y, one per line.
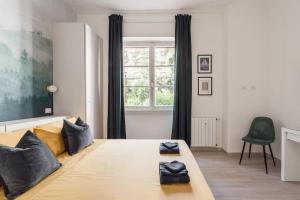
column 94, row 6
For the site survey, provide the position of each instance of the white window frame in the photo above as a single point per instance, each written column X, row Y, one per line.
column 152, row 46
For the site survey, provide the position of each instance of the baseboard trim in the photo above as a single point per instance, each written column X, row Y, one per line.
column 233, row 154
column 255, row 154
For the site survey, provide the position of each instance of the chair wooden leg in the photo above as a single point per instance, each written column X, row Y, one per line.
column 265, row 158
column 250, row 150
column 242, row 153
column 272, row 154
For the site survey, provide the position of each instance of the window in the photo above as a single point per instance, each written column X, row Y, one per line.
column 149, row 75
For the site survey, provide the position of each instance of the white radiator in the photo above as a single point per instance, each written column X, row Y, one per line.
column 204, row 132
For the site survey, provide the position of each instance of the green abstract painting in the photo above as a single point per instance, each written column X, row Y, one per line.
column 26, row 69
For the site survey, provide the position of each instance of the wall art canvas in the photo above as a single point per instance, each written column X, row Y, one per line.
column 26, row 55
column 204, row 64
column 205, row 86
column 26, row 68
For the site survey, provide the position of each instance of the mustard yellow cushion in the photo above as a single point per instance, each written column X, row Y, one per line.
column 51, row 135
column 2, row 194
column 12, row 138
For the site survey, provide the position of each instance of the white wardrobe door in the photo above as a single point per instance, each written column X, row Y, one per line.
column 68, row 69
column 92, row 83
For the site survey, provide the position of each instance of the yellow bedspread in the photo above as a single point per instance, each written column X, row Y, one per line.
column 119, row 170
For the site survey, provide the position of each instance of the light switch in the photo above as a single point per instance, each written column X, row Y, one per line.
column 48, row 110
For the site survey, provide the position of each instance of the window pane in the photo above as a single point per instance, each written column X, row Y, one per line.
column 136, row 76
column 164, row 56
column 164, row 96
column 164, row 76
column 136, row 56
column 137, row 96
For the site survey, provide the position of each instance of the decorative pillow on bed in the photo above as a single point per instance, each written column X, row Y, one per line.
column 51, row 135
column 13, row 137
column 52, row 138
column 25, row 165
column 80, row 122
column 76, row 136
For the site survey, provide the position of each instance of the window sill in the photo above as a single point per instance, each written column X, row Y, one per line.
column 148, row 111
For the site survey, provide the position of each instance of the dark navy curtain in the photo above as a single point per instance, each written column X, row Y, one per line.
column 183, row 80
column 116, row 115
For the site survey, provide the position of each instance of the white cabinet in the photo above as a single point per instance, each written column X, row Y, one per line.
column 290, row 160
column 76, row 57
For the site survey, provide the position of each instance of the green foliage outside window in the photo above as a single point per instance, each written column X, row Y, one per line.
column 164, row 96
column 137, row 76
column 137, row 96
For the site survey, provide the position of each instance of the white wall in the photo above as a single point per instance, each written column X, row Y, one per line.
column 263, row 67
column 34, row 15
column 247, row 68
column 207, row 38
column 149, row 125
column 284, row 65
column 255, row 44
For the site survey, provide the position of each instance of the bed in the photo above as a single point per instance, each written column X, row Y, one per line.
column 119, row 170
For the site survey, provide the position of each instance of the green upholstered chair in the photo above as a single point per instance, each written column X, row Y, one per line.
column 261, row 133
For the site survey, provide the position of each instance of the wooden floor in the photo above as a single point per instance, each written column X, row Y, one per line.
column 230, row 181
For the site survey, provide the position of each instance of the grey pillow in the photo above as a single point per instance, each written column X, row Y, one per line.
column 80, row 122
column 25, row 165
column 77, row 136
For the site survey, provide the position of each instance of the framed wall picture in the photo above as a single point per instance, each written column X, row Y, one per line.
column 205, row 86
column 204, row 64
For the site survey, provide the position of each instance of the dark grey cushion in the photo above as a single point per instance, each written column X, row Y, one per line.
column 169, row 148
column 77, row 136
column 80, row 122
column 25, row 165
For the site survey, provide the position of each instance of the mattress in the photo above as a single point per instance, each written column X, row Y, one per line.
column 119, row 170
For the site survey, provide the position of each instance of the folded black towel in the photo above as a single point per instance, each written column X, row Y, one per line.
column 173, row 180
column 170, row 145
column 165, row 172
column 175, row 166
column 173, row 172
column 169, row 148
